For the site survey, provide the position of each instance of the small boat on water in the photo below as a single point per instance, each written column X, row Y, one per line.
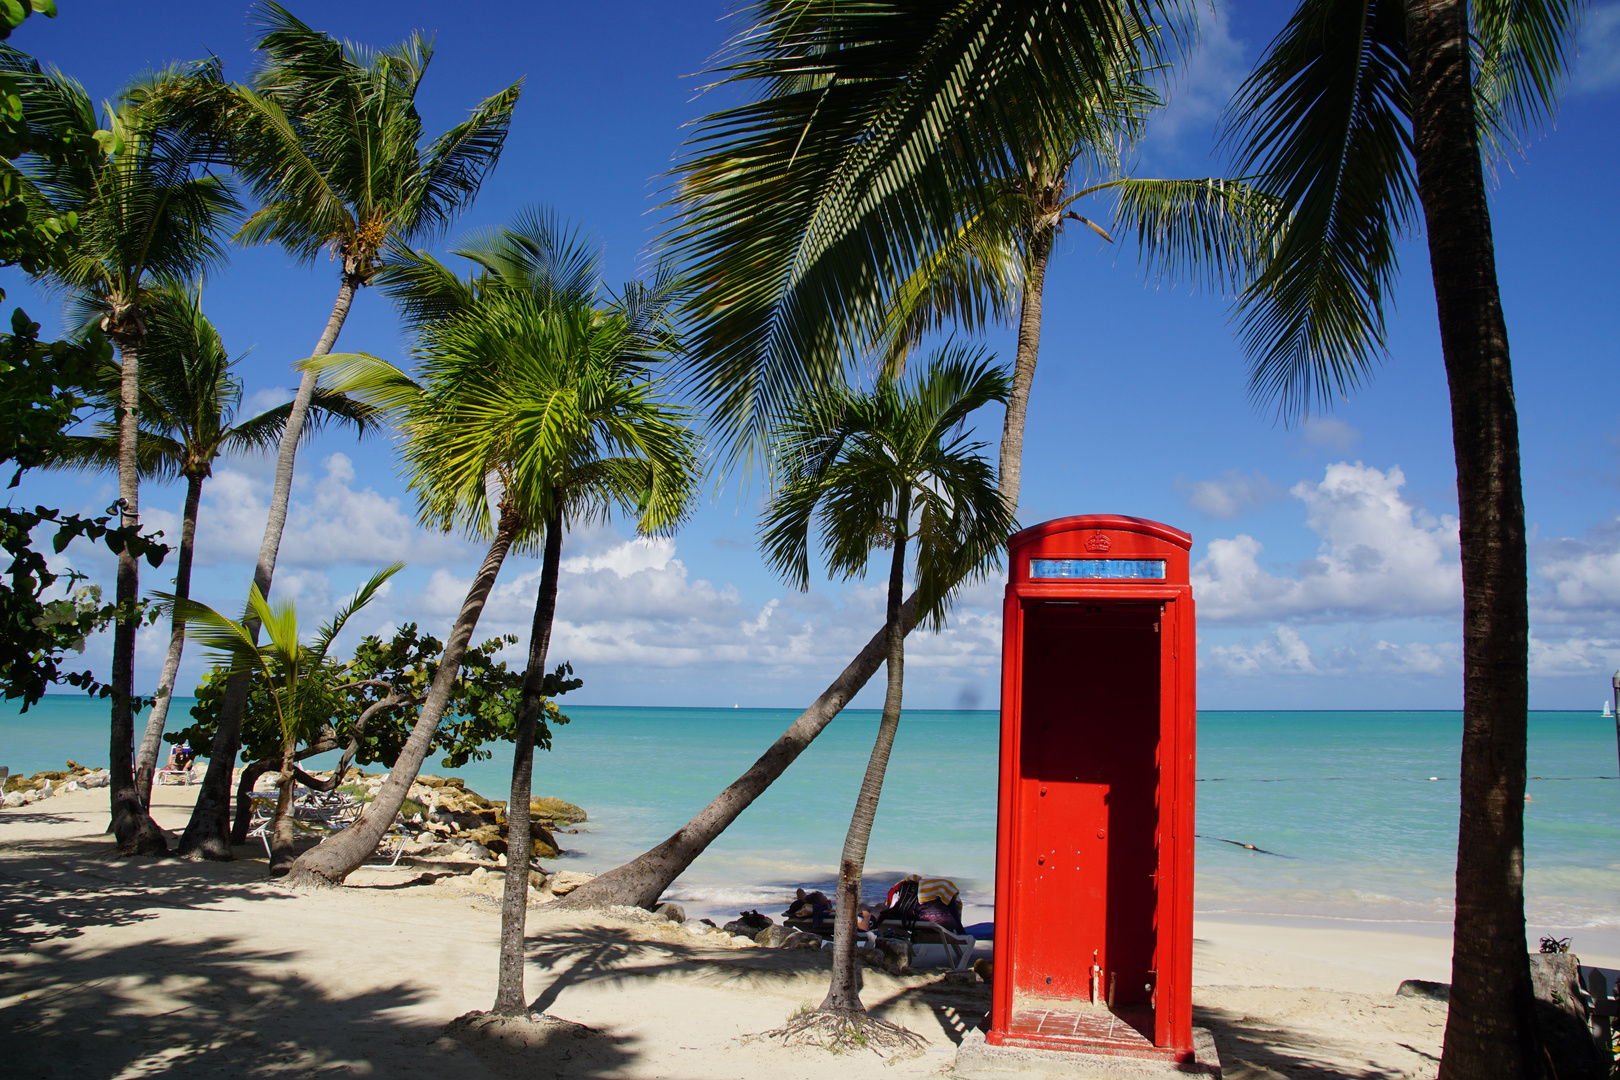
column 1608, row 709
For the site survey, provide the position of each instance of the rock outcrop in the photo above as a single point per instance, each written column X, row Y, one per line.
column 442, row 809
column 25, row 790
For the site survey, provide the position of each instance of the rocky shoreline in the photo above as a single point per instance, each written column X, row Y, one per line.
column 23, row 790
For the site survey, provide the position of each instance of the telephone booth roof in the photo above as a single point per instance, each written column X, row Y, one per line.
column 1105, row 522
column 1098, row 548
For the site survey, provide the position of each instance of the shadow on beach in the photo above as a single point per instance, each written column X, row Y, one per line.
column 167, row 1004
column 574, row 956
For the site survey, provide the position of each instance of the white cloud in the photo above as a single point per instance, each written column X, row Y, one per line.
column 1598, row 67
column 1285, row 651
column 1198, row 89
column 330, row 522
column 1282, row 652
column 1232, row 495
column 633, row 603
column 1417, row 658
column 1329, row 435
column 263, row 400
column 1380, row 557
column 1573, row 656
column 1580, row 579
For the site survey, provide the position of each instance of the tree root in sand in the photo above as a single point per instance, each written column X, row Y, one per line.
column 511, row 1045
column 841, row 1031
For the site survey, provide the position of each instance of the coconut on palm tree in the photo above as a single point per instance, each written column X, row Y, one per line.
column 901, row 168
column 188, row 399
column 891, row 467
column 299, row 678
column 329, row 139
column 1359, row 115
column 148, row 211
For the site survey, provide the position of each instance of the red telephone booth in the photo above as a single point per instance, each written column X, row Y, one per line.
column 1094, row 858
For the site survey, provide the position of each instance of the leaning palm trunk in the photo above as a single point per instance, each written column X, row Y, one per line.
column 207, row 834
column 640, row 882
column 332, row 860
column 152, row 741
column 136, row 832
column 509, row 997
column 1490, row 1025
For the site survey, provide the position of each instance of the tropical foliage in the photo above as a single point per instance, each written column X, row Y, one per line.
column 533, row 408
column 329, row 139
column 146, row 209
column 899, row 168
column 536, row 410
column 189, row 394
column 300, row 679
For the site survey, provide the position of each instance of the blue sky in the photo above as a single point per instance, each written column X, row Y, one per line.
column 1326, row 557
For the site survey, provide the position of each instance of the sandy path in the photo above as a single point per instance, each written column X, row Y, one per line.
column 115, row 968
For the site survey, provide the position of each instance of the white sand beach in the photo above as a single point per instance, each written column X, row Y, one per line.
column 114, row 968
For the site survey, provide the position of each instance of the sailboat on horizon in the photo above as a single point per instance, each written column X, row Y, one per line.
column 1608, row 710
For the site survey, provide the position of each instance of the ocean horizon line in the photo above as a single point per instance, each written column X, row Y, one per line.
column 931, row 709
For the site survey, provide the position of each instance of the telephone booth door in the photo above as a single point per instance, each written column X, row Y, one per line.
column 1094, row 852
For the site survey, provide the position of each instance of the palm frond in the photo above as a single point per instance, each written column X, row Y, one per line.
column 873, row 469
column 1208, row 231
column 875, row 131
column 262, row 433
column 365, row 595
column 424, row 289
column 1322, row 126
column 332, row 144
column 376, row 383
column 457, row 163
column 1523, row 50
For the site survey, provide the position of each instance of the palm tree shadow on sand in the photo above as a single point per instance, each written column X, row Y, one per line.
column 213, row 1006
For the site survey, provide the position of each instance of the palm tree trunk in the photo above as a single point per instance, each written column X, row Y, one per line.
column 332, row 860
column 146, row 757
column 844, row 989
column 281, row 830
column 1490, row 1025
column 1029, row 347
column 642, row 880
column 509, row 996
column 207, row 834
column 136, row 832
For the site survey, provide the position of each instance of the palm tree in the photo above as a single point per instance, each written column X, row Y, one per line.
column 330, row 141
column 189, row 396
column 876, row 469
column 536, row 405
column 147, row 212
column 906, row 166
column 299, row 677
column 1359, row 114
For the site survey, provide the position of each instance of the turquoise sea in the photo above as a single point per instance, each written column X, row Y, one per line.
column 1360, row 807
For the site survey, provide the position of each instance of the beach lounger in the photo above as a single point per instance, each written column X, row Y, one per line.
column 323, row 813
column 932, row 945
column 864, row 939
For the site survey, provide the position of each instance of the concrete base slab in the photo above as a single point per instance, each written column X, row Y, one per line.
column 978, row 1060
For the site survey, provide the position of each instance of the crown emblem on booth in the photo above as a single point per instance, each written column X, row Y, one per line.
column 1098, row 541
